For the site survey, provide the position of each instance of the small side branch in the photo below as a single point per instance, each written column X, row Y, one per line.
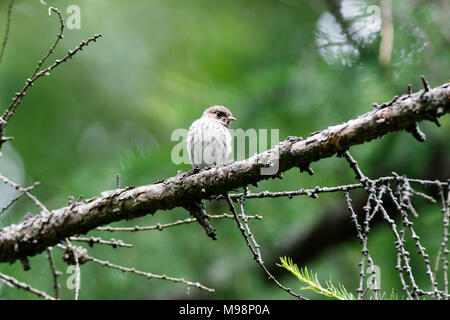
column 254, row 247
column 96, row 240
column 55, row 273
column 13, row 282
column 161, row 227
column 22, row 192
column 8, row 23
column 85, row 257
column 25, row 191
column 39, row 72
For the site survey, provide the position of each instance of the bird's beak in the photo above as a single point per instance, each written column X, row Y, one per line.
column 232, row 118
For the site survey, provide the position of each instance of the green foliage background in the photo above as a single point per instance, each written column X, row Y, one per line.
column 113, row 108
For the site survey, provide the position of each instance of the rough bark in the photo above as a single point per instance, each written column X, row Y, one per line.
column 35, row 234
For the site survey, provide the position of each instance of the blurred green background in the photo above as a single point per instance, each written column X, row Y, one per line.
column 283, row 65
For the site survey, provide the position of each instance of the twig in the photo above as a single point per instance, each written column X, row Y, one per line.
column 12, row 201
column 59, row 36
column 443, row 249
column 85, row 257
column 149, row 275
column 414, row 129
column 404, row 203
column 290, row 194
column 365, row 249
column 426, row 85
column 112, row 242
column 402, row 252
column 161, row 227
column 423, row 195
column 197, row 209
column 25, row 286
column 378, row 200
column 407, row 223
column 362, row 238
column 55, row 273
column 399, row 268
column 38, row 73
column 8, row 23
column 313, row 192
column 18, row 98
column 247, row 228
column 24, row 191
column 256, row 254
column 370, row 186
column 354, row 165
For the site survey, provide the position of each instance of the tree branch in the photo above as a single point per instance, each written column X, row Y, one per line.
column 8, row 23
column 35, row 234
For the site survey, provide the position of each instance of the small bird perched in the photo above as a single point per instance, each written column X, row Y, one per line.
column 208, row 144
column 209, row 138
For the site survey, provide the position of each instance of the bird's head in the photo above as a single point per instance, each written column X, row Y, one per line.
column 221, row 114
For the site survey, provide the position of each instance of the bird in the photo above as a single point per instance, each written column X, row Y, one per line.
column 209, row 139
column 208, row 144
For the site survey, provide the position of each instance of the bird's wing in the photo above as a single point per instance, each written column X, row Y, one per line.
column 208, row 142
column 194, row 143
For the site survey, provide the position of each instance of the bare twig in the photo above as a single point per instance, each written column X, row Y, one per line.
column 84, row 257
column 25, row 286
column 161, row 227
column 77, row 268
column 112, row 242
column 401, row 206
column 8, row 23
column 369, row 186
column 12, row 201
column 149, row 275
column 39, row 73
column 254, row 248
column 314, row 192
column 443, row 248
column 59, row 36
column 25, row 191
column 45, row 72
column 354, row 165
column 55, row 273
column 361, row 234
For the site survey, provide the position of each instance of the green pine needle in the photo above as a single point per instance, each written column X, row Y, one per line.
column 313, row 282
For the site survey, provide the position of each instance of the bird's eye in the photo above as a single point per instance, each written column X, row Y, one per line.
column 220, row 114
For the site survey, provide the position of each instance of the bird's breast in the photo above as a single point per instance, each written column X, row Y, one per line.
column 208, row 143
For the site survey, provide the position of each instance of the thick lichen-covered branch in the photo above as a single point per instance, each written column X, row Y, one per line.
column 35, row 234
